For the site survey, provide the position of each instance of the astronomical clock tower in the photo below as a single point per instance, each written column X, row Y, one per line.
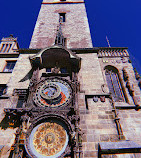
column 54, row 114
column 62, row 98
column 50, row 114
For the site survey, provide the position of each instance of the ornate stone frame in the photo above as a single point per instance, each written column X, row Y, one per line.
column 40, row 119
column 68, row 106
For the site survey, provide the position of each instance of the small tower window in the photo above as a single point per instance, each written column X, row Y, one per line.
column 62, row 17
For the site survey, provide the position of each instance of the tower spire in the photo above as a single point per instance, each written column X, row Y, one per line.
column 60, row 40
column 108, row 41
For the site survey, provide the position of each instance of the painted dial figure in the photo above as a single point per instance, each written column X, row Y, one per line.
column 53, row 93
column 47, row 140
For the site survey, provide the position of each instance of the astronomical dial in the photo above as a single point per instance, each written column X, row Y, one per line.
column 53, row 93
column 47, row 140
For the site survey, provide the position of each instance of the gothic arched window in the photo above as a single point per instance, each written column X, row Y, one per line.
column 114, row 84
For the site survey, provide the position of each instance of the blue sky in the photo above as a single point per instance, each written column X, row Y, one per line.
column 120, row 20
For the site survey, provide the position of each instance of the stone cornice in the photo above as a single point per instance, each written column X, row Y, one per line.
column 9, row 55
column 76, row 50
column 28, row 51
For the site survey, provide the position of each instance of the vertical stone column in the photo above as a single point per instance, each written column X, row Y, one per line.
column 132, row 86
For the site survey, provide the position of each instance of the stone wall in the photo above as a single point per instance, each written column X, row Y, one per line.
column 75, row 29
column 98, row 125
column 97, row 121
column 22, row 67
column 131, row 124
column 90, row 75
column 21, row 70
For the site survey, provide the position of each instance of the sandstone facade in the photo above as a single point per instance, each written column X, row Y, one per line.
column 75, row 29
column 106, row 94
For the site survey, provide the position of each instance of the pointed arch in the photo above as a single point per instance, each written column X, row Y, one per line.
column 114, row 84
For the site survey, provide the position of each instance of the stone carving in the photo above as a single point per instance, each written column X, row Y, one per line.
column 130, row 87
column 137, row 75
column 55, row 70
column 113, row 61
column 113, row 52
column 125, row 74
column 51, row 91
column 102, row 98
column 118, row 61
column 124, row 60
column 105, row 88
column 95, row 99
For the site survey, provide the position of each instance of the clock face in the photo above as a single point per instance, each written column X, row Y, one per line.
column 53, row 93
column 48, row 140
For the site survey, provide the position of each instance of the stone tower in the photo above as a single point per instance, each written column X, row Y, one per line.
column 63, row 98
column 75, row 26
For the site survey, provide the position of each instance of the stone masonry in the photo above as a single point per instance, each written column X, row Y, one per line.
column 101, row 118
column 75, row 29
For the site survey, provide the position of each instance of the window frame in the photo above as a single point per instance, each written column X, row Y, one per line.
column 6, row 47
column 2, row 47
column 48, row 70
column 8, row 68
column 63, row 14
column 110, row 70
column 2, row 88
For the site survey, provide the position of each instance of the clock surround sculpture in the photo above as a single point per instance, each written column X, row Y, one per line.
column 51, row 100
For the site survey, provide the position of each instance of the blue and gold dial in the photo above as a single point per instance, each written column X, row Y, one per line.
column 53, row 93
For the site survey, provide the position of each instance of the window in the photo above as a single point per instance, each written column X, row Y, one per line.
column 62, row 0
column 63, row 70
column 20, row 103
column 2, row 89
column 2, row 47
column 5, row 47
column 8, row 49
column 48, row 70
column 9, row 66
column 62, row 17
column 114, row 83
